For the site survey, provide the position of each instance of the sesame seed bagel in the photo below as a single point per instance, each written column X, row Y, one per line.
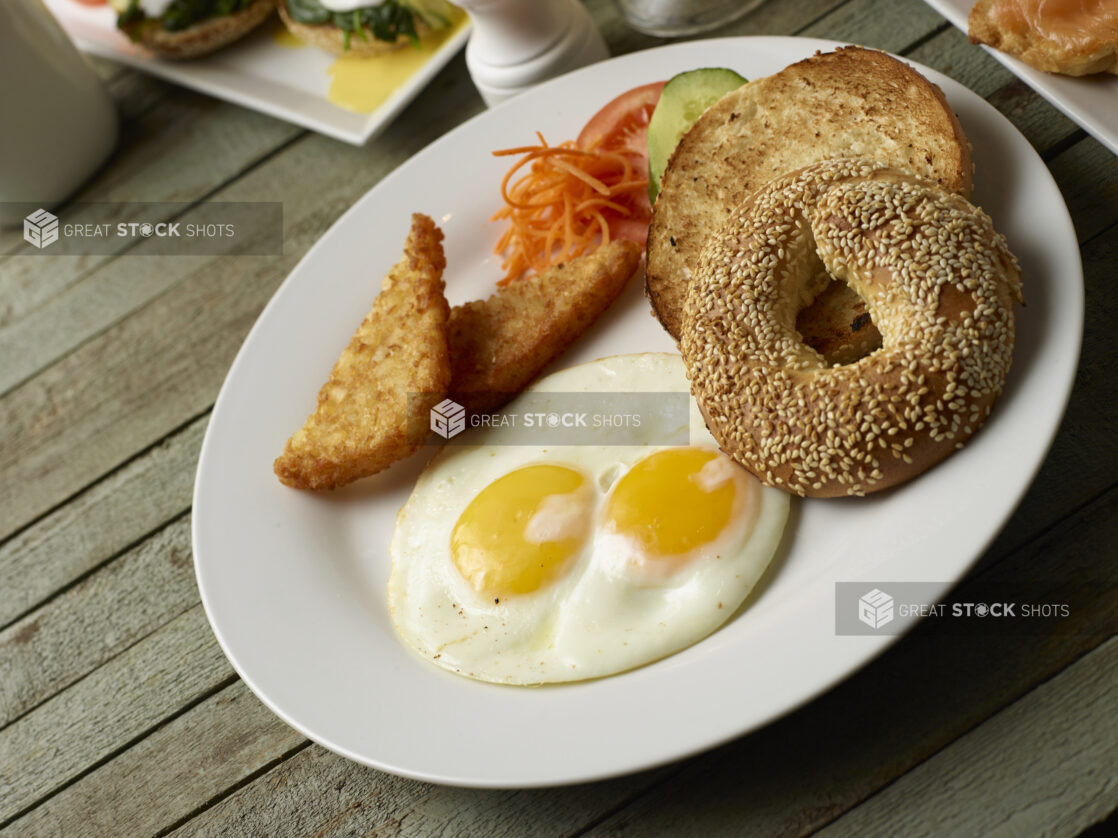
column 853, row 102
column 939, row 283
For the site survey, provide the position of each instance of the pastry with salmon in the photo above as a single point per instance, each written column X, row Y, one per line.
column 1073, row 37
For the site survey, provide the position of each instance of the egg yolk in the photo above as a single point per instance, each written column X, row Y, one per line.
column 519, row 532
column 674, row 501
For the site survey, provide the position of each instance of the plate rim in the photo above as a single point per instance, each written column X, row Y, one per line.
column 874, row 645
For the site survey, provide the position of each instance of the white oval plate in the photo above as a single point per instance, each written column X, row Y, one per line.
column 294, row 583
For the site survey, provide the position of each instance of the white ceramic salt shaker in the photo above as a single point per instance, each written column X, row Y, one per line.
column 515, row 44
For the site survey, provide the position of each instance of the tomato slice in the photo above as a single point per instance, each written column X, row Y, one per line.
column 622, row 126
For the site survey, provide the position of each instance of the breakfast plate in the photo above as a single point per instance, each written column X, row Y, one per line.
column 1089, row 101
column 263, row 72
column 294, row 583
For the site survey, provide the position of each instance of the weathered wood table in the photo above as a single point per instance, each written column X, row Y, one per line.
column 119, row 715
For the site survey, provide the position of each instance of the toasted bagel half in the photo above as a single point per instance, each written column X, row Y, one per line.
column 853, row 102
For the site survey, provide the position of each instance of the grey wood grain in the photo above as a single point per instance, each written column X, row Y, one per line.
column 1084, row 456
column 112, row 514
column 73, row 634
column 182, row 149
column 1087, row 174
column 124, row 699
column 329, row 797
column 133, row 91
column 787, row 17
column 124, row 389
column 181, row 766
column 1046, row 766
column 89, row 307
column 936, row 684
column 893, row 27
column 952, row 54
column 136, row 92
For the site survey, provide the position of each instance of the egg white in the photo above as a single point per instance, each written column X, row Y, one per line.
column 604, row 615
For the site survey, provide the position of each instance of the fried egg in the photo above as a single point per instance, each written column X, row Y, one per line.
column 530, row 564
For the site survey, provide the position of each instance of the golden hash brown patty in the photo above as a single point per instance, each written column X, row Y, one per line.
column 360, row 425
column 498, row 345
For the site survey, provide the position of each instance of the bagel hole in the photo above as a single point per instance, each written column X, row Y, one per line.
column 837, row 322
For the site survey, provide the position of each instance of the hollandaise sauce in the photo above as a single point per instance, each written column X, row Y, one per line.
column 284, row 37
column 362, row 84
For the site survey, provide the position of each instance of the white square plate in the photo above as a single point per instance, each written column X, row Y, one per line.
column 257, row 72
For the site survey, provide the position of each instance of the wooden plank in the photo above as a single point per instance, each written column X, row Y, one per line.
column 126, row 698
column 893, row 27
column 787, row 17
column 330, row 797
column 441, row 808
column 315, row 792
column 180, row 150
column 124, row 389
column 88, row 307
column 78, row 631
column 1087, row 174
column 162, row 779
column 128, row 388
column 952, row 54
column 1043, row 766
column 112, row 514
column 1084, row 455
column 798, row 774
column 136, row 93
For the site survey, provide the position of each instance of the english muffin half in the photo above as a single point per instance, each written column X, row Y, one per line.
column 189, row 28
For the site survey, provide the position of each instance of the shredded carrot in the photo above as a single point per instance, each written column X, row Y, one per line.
column 562, row 206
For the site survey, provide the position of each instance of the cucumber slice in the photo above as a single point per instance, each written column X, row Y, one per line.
column 683, row 101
